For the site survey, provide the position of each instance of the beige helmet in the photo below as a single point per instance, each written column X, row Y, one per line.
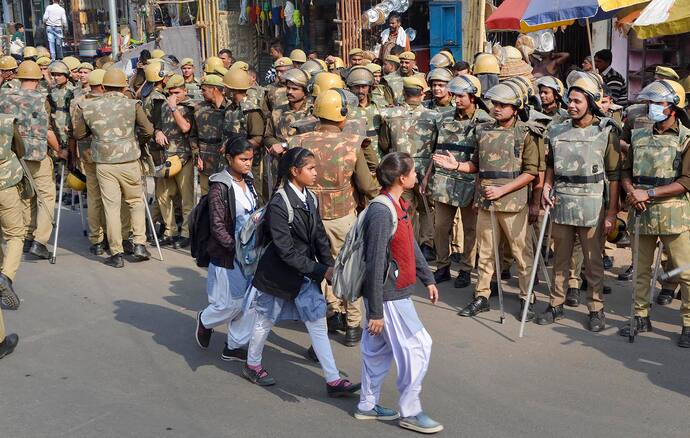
column 525, row 84
column 312, row 67
column 592, row 89
column 439, row 74
column 465, row 84
column 411, row 82
column 664, row 90
column 59, row 67
column 510, row 53
column 42, row 51
column 485, row 63
column 212, row 63
column 96, row 77
column 322, row 63
column 154, row 72
column 43, row 61
column 29, row 52
column 157, row 54
column 76, row 181
column 336, row 63
column 442, row 59
column 29, row 70
column 169, row 168
column 71, row 62
column 331, row 105
column 552, row 82
column 8, row 63
column 237, row 80
column 392, row 58
column 213, row 80
column 374, row 68
column 326, row 81
column 241, row 65
column 187, row 61
column 298, row 55
column 283, row 62
column 507, row 93
column 86, row 66
column 174, row 81
column 360, row 76
column 297, row 76
column 114, row 77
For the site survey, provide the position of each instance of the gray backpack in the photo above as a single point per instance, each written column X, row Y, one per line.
column 349, row 268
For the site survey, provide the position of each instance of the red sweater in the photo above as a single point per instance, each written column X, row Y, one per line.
column 402, row 248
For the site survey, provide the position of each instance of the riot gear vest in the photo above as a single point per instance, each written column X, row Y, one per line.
column 178, row 142
column 83, row 145
column 60, row 100
column 579, row 172
column 284, row 118
column 11, row 171
column 395, row 83
column 32, row 119
column 372, row 116
column 209, row 126
column 235, row 121
column 657, row 161
column 412, row 130
column 112, row 121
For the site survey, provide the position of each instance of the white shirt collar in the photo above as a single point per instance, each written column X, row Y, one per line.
column 302, row 195
column 605, row 72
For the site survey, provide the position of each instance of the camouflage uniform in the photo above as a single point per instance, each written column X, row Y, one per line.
column 435, row 105
column 276, row 96
column 503, row 154
column 11, row 207
column 382, row 95
column 112, row 120
column 12, row 83
column 257, row 96
column 557, row 116
column 247, row 120
column 30, row 108
column 581, row 159
column 342, row 170
column 206, row 139
column 193, row 89
column 371, row 114
column 59, row 99
column 657, row 159
column 394, row 82
column 453, row 191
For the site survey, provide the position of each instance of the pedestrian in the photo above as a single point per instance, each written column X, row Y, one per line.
column 276, row 52
column 613, row 79
column 394, row 331
column 232, row 200
column 393, row 37
column 296, row 261
column 18, row 41
column 226, row 56
column 55, row 20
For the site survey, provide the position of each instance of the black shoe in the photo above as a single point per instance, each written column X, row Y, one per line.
column 608, row 263
column 203, row 334
column 141, row 253
column 128, row 247
column 627, row 275
column 236, row 355
column 116, row 261
column 352, row 336
column 428, row 253
column 97, row 249
column 584, row 285
column 462, row 280
column 641, row 324
column 572, row 297
column 442, row 274
column 336, row 322
column 261, row 377
column 665, row 297
column 530, row 311
column 344, row 388
column 597, row 321
column 166, row 241
column 8, row 296
column 607, row 290
column 27, row 246
column 479, row 305
column 456, row 257
column 311, row 355
column 8, row 345
column 505, row 274
column 551, row 315
column 180, row 243
column 684, row 340
column 39, row 250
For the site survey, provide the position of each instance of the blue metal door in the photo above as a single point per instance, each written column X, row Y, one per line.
column 445, row 27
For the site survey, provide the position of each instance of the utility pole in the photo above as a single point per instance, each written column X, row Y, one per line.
column 114, row 40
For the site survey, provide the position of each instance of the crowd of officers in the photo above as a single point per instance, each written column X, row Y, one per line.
column 491, row 155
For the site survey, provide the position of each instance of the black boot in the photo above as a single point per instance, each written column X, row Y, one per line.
column 39, row 250
column 627, row 275
column 597, row 321
column 352, row 336
column 462, row 280
column 442, row 274
column 128, row 247
column 607, row 290
column 505, row 274
column 116, row 261
column 97, row 249
column 608, row 263
column 165, row 241
column 8, row 345
column 141, row 253
column 479, row 305
column 8, row 296
column 456, row 257
column 551, row 315
column 27, row 246
column 530, row 311
column 584, row 284
column 428, row 252
column 665, row 297
column 641, row 324
column 336, row 322
column 572, row 297
column 684, row 340
column 181, row 242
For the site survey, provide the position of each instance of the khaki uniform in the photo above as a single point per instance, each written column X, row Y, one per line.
column 581, row 158
column 342, row 171
column 503, row 154
column 111, row 120
column 658, row 159
column 206, row 139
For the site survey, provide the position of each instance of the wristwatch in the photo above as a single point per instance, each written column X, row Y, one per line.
column 651, row 193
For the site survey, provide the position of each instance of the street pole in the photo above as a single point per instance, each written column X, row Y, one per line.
column 114, row 43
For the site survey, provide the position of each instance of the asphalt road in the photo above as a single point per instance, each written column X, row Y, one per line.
column 110, row 353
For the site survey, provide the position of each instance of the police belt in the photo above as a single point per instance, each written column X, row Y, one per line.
column 580, row 179
column 652, row 180
column 499, row 175
column 454, row 147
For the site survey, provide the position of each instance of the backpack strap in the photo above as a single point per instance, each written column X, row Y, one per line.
column 290, row 211
column 383, row 199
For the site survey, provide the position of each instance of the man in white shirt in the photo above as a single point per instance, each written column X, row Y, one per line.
column 55, row 20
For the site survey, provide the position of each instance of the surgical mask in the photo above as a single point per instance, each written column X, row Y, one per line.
column 656, row 113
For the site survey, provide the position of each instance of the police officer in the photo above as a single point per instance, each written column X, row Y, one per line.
column 656, row 178
column 342, row 170
column 408, row 65
column 393, row 79
column 298, row 57
column 438, row 79
column 360, row 81
column 356, row 57
column 8, row 71
column 112, row 121
column 276, row 94
column 256, row 94
column 453, row 191
column 551, row 93
column 442, row 59
column 73, row 65
column 507, row 160
column 59, row 97
column 31, row 109
column 83, row 72
column 45, row 84
column 582, row 153
column 176, row 176
column 191, row 83
column 380, row 92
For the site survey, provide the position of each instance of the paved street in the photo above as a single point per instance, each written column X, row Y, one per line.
column 110, row 353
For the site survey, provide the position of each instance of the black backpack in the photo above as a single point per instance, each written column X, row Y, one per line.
column 200, row 228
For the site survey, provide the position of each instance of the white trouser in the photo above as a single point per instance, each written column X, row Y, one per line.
column 405, row 340
column 318, row 333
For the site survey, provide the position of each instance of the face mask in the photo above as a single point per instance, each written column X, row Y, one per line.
column 656, row 113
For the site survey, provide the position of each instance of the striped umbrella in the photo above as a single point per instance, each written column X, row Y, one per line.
column 663, row 17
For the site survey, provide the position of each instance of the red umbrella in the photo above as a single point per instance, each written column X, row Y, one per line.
column 509, row 16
